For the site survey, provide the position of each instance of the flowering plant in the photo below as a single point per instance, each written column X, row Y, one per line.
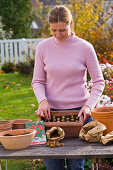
column 108, row 90
column 104, row 100
column 107, row 70
column 107, row 97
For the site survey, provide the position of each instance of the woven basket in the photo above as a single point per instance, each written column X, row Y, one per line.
column 70, row 128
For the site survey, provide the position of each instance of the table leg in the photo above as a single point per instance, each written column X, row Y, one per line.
column 6, row 164
column 95, row 163
column 0, row 165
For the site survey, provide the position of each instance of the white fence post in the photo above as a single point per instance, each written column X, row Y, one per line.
column 6, row 52
column 17, row 50
column 11, row 52
column 2, row 54
column 15, row 53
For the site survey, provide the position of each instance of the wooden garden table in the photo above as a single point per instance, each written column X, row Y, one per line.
column 73, row 148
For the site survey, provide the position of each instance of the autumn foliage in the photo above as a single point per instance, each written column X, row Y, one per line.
column 90, row 23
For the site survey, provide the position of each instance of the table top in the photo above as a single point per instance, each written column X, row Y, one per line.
column 73, row 148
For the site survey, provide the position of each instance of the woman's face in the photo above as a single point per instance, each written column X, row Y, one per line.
column 61, row 30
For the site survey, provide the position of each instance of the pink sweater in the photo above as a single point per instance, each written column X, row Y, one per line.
column 60, row 73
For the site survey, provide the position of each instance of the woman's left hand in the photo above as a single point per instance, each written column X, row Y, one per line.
column 86, row 111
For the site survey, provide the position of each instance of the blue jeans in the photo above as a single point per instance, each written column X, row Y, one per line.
column 72, row 164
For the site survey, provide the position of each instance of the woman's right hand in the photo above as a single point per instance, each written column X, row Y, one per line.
column 43, row 109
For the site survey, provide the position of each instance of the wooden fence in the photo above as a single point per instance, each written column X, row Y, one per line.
column 17, row 50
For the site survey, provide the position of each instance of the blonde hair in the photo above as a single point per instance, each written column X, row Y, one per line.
column 59, row 14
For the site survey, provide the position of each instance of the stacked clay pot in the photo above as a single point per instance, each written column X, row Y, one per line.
column 105, row 116
column 5, row 125
column 20, row 123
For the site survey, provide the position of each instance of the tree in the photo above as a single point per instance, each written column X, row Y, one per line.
column 16, row 17
column 90, row 23
column 40, row 13
column 2, row 32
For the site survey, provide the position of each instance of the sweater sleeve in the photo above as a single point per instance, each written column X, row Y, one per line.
column 96, row 76
column 38, row 82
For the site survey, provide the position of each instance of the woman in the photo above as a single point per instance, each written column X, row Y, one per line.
column 59, row 80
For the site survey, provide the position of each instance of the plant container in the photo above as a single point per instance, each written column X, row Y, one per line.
column 17, row 139
column 68, row 120
column 105, row 116
column 5, row 125
column 20, row 123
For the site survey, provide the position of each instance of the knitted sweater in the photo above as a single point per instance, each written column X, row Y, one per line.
column 60, row 73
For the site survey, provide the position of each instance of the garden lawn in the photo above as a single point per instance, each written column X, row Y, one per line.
column 24, row 164
column 17, row 99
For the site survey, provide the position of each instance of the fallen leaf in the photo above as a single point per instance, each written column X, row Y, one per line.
column 32, row 105
column 13, row 82
column 7, row 87
column 6, row 82
column 18, row 84
column 31, row 89
column 1, row 71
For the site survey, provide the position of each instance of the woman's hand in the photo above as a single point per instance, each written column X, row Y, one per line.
column 43, row 109
column 86, row 111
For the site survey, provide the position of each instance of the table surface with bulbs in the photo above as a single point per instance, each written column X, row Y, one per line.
column 73, row 148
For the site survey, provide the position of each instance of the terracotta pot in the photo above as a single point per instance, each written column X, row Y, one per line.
column 105, row 116
column 21, row 138
column 5, row 125
column 20, row 123
column 102, row 110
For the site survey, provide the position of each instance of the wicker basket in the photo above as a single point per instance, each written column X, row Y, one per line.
column 71, row 128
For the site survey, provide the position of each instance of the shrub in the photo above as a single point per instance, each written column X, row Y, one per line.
column 95, row 26
column 24, row 68
column 32, row 61
column 107, row 97
column 108, row 90
column 103, row 43
column 107, row 70
column 8, row 67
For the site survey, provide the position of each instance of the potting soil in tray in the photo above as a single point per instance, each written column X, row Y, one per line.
column 68, row 118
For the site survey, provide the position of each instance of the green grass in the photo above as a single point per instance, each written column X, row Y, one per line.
column 17, row 97
column 24, row 164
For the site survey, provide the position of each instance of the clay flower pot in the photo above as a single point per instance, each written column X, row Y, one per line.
column 105, row 116
column 17, row 139
column 20, row 123
column 5, row 125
